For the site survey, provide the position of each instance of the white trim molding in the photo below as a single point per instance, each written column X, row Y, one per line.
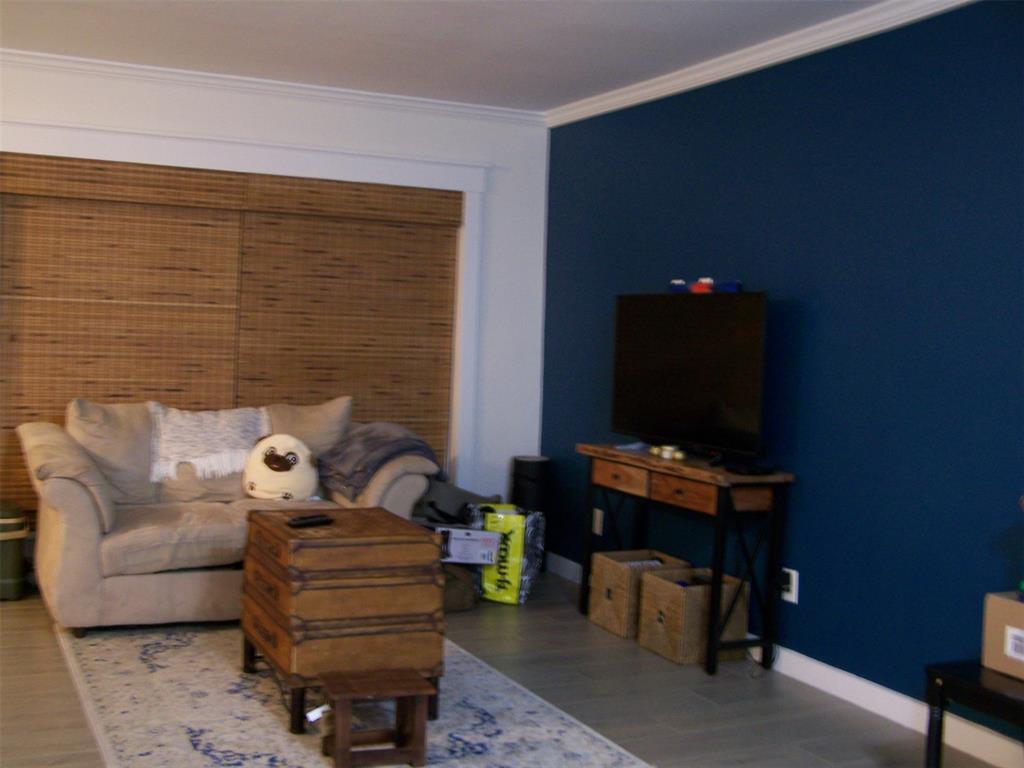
column 564, row 567
column 462, row 442
column 863, row 23
column 222, row 153
column 231, row 153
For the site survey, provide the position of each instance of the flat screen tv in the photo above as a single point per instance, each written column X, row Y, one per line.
column 689, row 371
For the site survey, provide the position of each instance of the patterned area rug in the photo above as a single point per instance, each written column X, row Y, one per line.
column 176, row 696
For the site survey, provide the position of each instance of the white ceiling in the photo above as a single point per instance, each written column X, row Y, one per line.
column 522, row 54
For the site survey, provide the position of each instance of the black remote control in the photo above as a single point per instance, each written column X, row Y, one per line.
column 308, row 521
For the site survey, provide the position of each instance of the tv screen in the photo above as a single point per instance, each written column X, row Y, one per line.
column 689, row 370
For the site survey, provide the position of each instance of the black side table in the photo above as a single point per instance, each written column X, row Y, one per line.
column 974, row 686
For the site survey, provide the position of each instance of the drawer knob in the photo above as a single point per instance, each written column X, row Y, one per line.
column 661, row 617
column 608, row 593
column 679, row 492
column 615, row 476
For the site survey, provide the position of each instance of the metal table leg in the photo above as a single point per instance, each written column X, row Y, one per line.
column 588, row 549
column 773, row 571
column 936, row 697
column 721, row 523
column 297, row 709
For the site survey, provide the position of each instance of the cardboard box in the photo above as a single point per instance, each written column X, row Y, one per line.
column 468, row 545
column 674, row 605
column 615, row 586
column 1002, row 645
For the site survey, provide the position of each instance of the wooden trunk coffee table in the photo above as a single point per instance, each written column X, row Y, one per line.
column 363, row 593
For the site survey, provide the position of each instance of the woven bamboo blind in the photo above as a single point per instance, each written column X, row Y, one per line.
column 124, row 282
column 364, row 301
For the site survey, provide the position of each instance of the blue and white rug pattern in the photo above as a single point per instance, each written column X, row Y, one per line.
column 176, row 696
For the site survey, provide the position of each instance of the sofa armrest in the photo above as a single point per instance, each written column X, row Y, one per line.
column 52, row 454
column 67, row 553
column 75, row 509
column 396, row 486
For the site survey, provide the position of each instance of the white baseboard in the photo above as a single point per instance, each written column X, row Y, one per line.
column 564, row 567
column 971, row 738
column 976, row 740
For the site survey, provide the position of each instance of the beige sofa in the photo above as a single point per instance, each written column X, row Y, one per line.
column 114, row 548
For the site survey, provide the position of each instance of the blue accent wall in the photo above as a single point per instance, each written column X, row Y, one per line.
column 875, row 191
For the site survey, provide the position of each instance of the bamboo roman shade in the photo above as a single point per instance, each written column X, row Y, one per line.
column 123, row 282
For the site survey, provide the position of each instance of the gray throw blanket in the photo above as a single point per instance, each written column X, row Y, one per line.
column 350, row 465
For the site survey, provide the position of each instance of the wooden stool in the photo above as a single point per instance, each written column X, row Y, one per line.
column 409, row 737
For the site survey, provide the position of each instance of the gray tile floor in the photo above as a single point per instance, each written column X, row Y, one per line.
column 672, row 716
column 41, row 721
column 677, row 716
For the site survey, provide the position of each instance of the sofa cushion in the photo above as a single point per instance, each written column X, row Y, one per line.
column 318, row 426
column 150, row 538
column 247, row 505
column 117, row 438
column 322, row 424
column 188, row 486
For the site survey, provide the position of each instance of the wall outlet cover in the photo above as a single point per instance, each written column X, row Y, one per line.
column 791, row 588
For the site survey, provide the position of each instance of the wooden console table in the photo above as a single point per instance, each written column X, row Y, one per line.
column 726, row 499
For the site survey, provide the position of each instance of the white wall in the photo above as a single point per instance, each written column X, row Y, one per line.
column 58, row 106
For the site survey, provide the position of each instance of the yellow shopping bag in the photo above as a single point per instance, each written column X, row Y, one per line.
column 501, row 580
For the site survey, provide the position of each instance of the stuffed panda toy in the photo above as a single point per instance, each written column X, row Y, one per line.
column 280, row 467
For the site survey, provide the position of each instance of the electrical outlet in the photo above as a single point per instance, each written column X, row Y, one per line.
column 598, row 527
column 790, row 585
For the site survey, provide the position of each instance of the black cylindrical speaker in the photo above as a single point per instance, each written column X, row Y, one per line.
column 530, row 483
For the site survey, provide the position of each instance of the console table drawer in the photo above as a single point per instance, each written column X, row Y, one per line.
column 621, row 477
column 680, row 492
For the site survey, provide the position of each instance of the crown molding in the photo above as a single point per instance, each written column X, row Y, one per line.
column 868, row 21
column 259, row 87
